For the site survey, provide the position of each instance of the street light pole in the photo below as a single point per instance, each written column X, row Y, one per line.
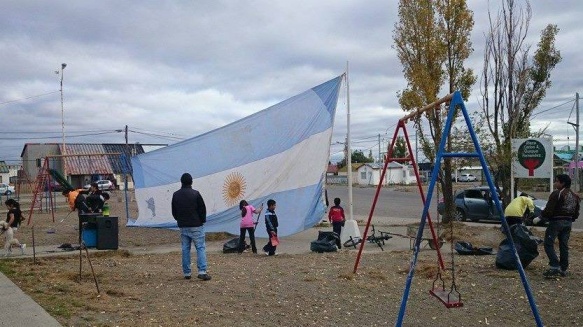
column 64, row 151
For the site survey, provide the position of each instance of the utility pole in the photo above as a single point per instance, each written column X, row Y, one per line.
column 379, row 148
column 576, row 184
column 126, row 136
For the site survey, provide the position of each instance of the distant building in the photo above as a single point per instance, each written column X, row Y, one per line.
column 4, row 172
column 83, row 163
column 370, row 174
column 332, row 170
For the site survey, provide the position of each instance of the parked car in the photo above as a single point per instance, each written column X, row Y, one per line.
column 467, row 178
column 6, row 189
column 104, row 185
column 476, row 204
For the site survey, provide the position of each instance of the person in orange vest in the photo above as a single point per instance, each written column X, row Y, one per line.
column 76, row 200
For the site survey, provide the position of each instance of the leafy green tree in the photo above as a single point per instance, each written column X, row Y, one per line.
column 432, row 39
column 357, row 157
column 513, row 84
column 400, row 148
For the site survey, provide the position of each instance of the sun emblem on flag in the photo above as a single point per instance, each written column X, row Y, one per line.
column 234, row 188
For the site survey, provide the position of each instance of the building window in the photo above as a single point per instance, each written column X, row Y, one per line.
column 363, row 175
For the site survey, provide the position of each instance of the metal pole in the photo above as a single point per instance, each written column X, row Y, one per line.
column 577, row 184
column 349, row 150
column 64, row 152
column 416, row 148
column 379, row 147
column 125, row 175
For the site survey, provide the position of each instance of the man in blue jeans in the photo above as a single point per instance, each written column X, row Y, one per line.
column 189, row 210
column 561, row 210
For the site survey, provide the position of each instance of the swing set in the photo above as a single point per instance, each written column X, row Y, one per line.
column 451, row 298
column 46, row 174
column 435, row 241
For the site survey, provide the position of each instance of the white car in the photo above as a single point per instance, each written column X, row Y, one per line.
column 467, row 178
column 6, row 189
column 104, row 185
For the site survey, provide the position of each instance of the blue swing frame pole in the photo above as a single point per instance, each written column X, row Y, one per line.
column 505, row 225
column 457, row 100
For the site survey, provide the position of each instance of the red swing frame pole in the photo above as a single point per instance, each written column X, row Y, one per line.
column 389, row 158
column 416, row 170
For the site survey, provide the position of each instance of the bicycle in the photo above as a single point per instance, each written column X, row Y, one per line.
column 373, row 238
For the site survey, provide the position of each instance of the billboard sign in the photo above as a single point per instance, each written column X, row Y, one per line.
column 532, row 158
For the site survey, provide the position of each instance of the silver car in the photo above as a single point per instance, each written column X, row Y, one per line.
column 6, row 189
column 467, row 178
column 476, row 204
column 104, row 185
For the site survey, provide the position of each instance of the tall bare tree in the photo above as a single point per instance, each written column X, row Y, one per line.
column 513, row 83
column 432, row 39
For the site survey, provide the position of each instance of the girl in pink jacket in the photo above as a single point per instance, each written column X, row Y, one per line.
column 247, row 225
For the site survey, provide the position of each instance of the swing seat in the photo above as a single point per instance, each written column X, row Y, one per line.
column 450, row 299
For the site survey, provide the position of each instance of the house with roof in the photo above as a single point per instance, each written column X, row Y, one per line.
column 79, row 163
column 370, row 174
column 4, row 173
column 341, row 176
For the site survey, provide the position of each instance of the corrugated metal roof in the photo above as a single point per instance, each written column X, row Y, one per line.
column 90, row 158
column 122, row 164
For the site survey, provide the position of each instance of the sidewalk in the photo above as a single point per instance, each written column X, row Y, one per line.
column 20, row 310
column 30, row 314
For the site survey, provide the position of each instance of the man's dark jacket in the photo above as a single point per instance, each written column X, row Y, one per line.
column 562, row 205
column 188, row 207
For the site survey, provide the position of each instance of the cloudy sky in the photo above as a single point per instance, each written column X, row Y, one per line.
column 171, row 70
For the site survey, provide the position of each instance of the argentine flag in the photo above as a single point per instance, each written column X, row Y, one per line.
column 278, row 153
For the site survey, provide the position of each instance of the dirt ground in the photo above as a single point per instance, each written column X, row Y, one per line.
column 308, row 289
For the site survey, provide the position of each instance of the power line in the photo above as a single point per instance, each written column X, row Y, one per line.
column 158, row 132
column 549, row 109
column 30, row 97
column 55, row 137
column 51, row 132
column 175, row 138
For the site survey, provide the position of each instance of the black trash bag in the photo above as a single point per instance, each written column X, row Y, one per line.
column 232, row 246
column 466, row 248
column 526, row 246
column 326, row 242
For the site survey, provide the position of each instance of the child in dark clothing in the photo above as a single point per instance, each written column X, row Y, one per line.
column 271, row 225
column 336, row 217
